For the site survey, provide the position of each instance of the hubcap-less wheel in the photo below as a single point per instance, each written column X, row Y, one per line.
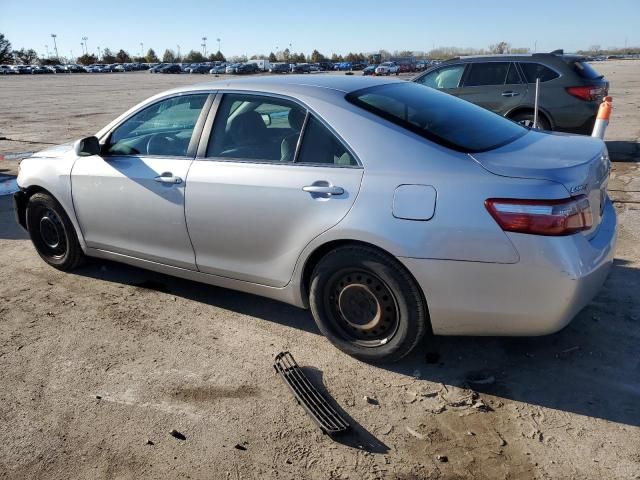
column 362, row 307
column 52, row 234
column 526, row 123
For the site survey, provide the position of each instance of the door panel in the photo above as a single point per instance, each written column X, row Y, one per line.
column 251, row 221
column 123, row 208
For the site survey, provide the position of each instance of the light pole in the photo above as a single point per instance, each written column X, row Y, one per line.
column 71, row 57
column 179, row 59
column 82, row 47
column 99, row 54
column 55, row 46
column 218, row 40
column 204, row 46
column 86, row 45
column 142, row 49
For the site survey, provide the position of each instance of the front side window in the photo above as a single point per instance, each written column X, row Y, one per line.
column 441, row 118
column 257, row 128
column 537, row 70
column 164, row 128
column 490, row 73
column 445, row 77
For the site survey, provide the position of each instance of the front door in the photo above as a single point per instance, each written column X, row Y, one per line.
column 262, row 193
column 130, row 199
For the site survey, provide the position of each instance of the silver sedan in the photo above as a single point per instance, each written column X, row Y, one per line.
column 389, row 209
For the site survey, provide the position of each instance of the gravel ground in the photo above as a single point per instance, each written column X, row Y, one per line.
column 96, row 367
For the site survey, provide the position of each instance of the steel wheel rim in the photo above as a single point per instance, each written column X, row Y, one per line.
column 362, row 307
column 52, row 235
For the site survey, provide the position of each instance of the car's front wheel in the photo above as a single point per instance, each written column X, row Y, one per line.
column 367, row 304
column 52, row 233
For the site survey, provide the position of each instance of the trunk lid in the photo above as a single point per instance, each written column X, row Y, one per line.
column 578, row 162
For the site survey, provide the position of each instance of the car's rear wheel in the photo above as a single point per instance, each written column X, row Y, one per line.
column 526, row 120
column 367, row 304
column 52, row 233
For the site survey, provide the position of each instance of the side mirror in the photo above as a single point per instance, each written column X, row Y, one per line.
column 86, row 147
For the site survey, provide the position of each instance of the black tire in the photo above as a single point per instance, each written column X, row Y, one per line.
column 526, row 119
column 367, row 304
column 52, row 233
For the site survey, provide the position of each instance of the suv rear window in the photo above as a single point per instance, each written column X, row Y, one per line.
column 437, row 116
column 585, row 70
column 537, row 70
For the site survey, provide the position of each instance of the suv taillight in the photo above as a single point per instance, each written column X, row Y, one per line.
column 588, row 93
column 541, row 217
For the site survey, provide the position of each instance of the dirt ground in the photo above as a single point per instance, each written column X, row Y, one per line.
column 96, row 367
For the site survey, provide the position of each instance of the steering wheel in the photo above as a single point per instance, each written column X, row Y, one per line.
column 163, row 144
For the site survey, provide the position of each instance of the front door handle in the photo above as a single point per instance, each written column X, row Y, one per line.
column 168, row 177
column 510, row 93
column 324, row 189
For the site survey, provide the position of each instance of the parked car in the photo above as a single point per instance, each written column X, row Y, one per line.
column 198, row 68
column 246, row 68
column 342, row 66
column 370, row 70
column 356, row 67
column 301, row 68
column 7, row 70
column 337, row 211
column 387, row 68
column 171, row 68
column 156, row 68
column 39, row 69
column 232, row 68
column 279, row 68
column 218, row 69
column 118, row 68
column 570, row 89
column 21, row 69
column 73, row 68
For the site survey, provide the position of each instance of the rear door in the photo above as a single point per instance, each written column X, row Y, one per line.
column 270, row 178
column 496, row 86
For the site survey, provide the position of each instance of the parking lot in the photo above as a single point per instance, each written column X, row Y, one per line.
column 96, row 367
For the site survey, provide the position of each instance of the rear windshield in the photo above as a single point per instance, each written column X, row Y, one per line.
column 437, row 116
column 585, row 70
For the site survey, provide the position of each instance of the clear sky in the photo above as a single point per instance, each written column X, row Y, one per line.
column 340, row 26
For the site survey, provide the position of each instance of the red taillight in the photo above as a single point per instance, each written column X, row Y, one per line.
column 541, row 217
column 588, row 93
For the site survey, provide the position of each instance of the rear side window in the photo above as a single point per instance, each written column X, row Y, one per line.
column 437, row 116
column 585, row 70
column 320, row 146
column 490, row 73
column 537, row 70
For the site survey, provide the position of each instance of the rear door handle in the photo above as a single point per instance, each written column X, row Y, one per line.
column 168, row 177
column 322, row 189
column 510, row 93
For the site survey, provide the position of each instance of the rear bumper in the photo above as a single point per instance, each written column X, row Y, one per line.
column 555, row 278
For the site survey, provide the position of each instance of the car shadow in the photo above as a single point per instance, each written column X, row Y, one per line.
column 357, row 436
column 591, row 368
column 623, row 150
column 9, row 228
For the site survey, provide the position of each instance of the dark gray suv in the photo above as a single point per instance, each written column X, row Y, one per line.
column 570, row 89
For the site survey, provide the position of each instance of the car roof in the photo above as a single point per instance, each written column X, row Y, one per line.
column 515, row 56
column 345, row 84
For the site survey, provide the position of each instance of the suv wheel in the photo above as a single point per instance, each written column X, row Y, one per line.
column 526, row 120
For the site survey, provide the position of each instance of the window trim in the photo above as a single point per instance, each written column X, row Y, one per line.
column 209, row 124
column 195, row 135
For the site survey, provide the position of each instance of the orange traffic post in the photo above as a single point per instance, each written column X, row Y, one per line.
column 602, row 120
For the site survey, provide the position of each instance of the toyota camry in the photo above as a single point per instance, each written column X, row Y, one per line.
column 388, row 209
